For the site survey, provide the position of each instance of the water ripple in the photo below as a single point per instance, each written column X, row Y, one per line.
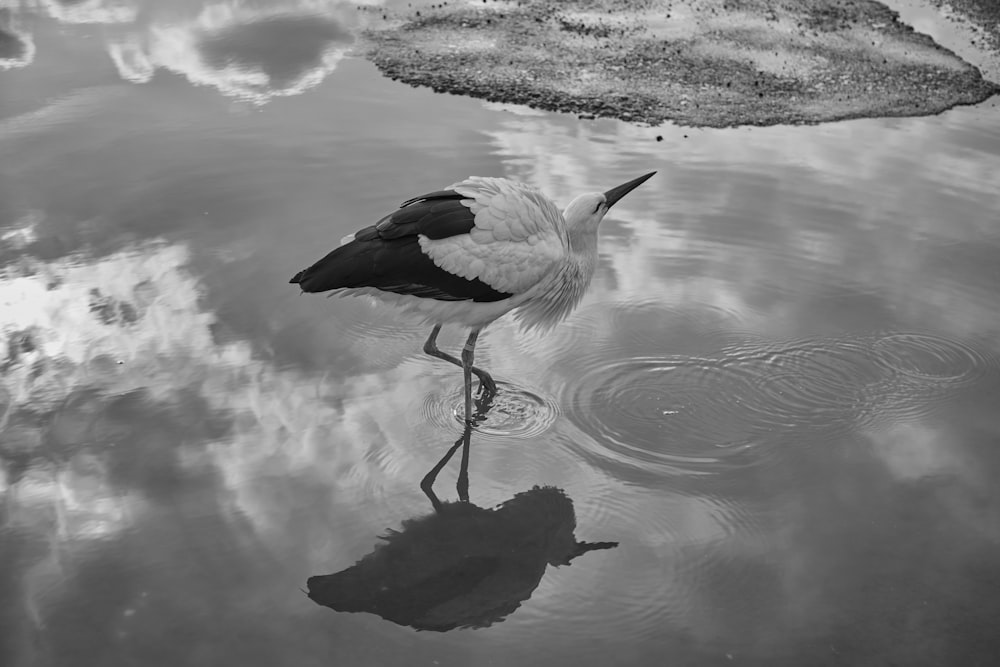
column 709, row 415
column 933, row 359
column 923, row 373
column 681, row 415
column 515, row 412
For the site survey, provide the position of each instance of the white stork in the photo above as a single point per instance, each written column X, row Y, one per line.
column 468, row 255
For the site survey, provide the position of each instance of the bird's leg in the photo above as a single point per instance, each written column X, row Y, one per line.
column 427, row 483
column 486, row 384
column 431, row 347
column 468, row 354
column 462, row 486
column 487, row 387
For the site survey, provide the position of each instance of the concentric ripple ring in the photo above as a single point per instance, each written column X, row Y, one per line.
column 514, row 412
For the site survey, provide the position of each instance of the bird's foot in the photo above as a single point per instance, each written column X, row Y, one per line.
column 487, row 387
column 477, row 418
column 484, row 400
column 479, row 414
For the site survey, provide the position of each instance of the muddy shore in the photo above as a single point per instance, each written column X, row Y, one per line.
column 713, row 63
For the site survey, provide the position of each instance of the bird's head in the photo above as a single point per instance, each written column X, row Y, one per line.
column 586, row 211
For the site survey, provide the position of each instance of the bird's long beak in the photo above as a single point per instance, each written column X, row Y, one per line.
column 614, row 194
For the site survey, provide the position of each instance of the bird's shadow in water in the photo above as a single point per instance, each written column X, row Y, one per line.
column 461, row 566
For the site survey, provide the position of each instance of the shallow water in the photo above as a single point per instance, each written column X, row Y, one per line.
column 778, row 398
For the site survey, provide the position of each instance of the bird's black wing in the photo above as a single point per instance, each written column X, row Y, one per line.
column 437, row 215
column 437, row 194
column 387, row 255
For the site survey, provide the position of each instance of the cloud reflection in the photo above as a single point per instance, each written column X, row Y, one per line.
column 17, row 48
column 91, row 11
column 120, row 409
column 250, row 51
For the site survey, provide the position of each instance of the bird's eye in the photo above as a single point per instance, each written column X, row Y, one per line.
column 598, row 207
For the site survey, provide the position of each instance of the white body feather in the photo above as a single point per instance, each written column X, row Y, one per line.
column 519, row 237
column 521, row 244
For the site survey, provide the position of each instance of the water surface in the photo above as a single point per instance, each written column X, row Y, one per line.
column 778, row 398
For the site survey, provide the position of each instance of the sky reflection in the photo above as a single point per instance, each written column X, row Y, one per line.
column 799, row 472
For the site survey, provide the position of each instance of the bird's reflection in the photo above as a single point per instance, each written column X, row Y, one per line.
column 461, row 566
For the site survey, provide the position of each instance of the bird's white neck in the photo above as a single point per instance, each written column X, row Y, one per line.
column 583, row 241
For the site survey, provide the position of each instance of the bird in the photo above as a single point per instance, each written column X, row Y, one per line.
column 468, row 255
